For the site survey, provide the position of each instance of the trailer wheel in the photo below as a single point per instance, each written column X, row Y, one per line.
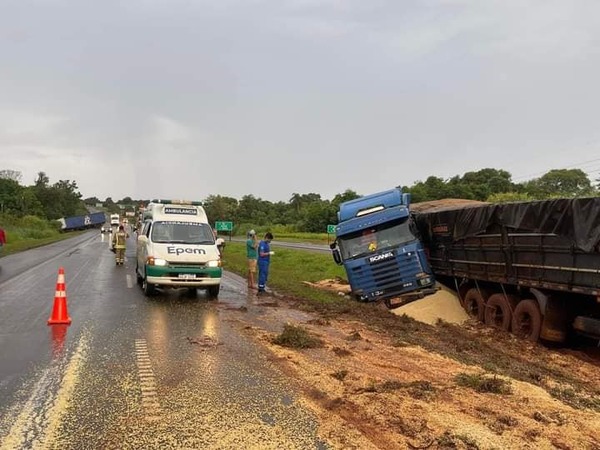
column 499, row 311
column 527, row 320
column 474, row 303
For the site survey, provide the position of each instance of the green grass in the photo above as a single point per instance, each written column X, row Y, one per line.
column 288, row 269
column 29, row 232
column 284, row 234
column 575, row 399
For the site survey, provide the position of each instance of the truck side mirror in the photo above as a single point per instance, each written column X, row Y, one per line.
column 337, row 256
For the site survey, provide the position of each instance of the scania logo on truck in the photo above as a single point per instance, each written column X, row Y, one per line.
column 381, row 257
column 180, row 251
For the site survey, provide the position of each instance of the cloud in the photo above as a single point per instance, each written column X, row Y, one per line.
column 269, row 97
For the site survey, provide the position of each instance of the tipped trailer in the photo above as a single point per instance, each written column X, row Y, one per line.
column 91, row 220
column 532, row 268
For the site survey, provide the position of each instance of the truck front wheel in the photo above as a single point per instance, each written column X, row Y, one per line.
column 527, row 320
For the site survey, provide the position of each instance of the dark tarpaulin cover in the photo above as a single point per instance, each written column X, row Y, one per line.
column 576, row 219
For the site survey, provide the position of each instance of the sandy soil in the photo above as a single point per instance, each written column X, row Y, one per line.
column 443, row 305
column 371, row 390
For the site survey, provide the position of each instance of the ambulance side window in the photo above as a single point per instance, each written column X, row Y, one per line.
column 146, row 231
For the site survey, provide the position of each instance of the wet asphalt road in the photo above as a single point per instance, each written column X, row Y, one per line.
column 172, row 371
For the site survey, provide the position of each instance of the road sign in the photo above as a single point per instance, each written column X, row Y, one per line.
column 331, row 229
column 224, row 226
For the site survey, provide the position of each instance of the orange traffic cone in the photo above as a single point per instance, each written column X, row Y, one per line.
column 59, row 311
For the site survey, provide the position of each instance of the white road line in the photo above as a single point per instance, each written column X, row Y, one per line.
column 38, row 422
column 147, row 381
column 129, row 281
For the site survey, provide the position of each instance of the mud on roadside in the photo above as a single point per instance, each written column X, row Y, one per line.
column 386, row 381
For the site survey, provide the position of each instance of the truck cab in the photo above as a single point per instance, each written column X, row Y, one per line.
column 115, row 220
column 377, row 244
column 176, row 248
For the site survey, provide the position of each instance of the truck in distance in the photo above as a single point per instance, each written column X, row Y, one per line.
column 83, row 222
column 115, row 220
column 376, row 242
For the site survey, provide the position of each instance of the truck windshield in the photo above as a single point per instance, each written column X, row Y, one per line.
column 182, row 233
column 388, row 235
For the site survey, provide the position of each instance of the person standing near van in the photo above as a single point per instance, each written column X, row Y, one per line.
column 251, row 254
column 119, row 244
column 264, row 259
column 2, row 239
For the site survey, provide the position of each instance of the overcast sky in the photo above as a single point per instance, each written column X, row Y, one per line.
column 187, row 98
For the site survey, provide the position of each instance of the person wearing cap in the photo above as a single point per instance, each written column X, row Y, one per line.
column 264, row 259
column 119, row 243
column 251, row 254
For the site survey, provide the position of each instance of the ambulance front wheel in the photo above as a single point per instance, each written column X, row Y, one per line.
column 148, row 288
column 138, row 277
column 213, row 291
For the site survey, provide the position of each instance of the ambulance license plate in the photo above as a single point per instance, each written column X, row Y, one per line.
column 187, row 276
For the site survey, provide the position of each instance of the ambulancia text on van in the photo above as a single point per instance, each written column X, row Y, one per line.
column 176, row 248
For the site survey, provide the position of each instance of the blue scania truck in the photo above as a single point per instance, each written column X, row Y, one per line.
column 377, row 243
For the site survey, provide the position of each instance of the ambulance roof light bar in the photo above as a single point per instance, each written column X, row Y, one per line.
column 176, row 202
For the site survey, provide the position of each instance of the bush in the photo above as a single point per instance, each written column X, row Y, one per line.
column 297, row 337
column 26, row 232
column 483, row 383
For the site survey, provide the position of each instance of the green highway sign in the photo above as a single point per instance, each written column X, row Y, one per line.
column 224, row 226
column 331, row 229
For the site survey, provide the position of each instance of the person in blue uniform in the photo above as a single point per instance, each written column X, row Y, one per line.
column 264, row 259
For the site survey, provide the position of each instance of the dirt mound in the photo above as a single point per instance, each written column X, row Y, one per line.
column 337, row 285
column 445, row 203
column 443, row 305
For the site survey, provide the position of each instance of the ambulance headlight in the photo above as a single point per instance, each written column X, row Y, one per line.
column 216, row 263
column 157, row 261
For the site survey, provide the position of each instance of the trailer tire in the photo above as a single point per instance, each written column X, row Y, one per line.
column 499, row 311
column 474, row 303
column 527, row 320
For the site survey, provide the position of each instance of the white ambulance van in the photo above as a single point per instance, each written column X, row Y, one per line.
column 176, row 248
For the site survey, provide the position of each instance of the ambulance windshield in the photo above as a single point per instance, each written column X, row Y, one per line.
column 174, row 232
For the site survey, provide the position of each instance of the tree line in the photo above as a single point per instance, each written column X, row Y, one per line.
column 307, row 212
column 41, row 199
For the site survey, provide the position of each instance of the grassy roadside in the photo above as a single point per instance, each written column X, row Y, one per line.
column 494, row 352
column 29, row 232
column 310, row 238
column 288, row 269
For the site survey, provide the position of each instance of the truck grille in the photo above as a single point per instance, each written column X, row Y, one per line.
column 388, row 275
